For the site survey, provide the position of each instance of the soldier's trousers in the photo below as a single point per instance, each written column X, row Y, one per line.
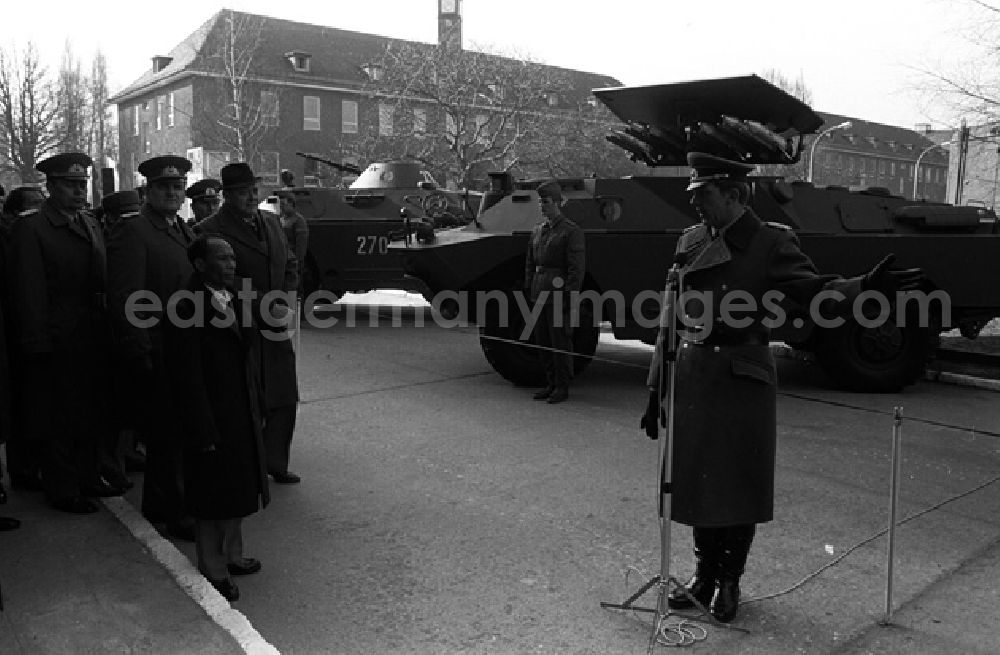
column 279, row 426
column 162, row 481
column 556, row 343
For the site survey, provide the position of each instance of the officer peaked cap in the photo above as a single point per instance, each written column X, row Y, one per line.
column 207, row 188
column 709, row 168
column 550, row 189
column 167, row 167
column 67, row 165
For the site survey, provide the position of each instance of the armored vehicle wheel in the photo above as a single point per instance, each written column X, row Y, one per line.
column 875, row 360
column 519, row 363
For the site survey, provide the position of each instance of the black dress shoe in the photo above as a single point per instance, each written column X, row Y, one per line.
column 286, row 477
column 75, row 505
column 544, row 393
column 7, row 523
column 246, row 566
column 558, row 396
column 726, row 603
column 227, row 588
column 101, row 488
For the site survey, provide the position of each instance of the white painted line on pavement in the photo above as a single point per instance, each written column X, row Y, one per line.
column 190, row 580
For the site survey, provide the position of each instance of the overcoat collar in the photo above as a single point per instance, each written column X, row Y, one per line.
column 706, row 253
column 182, row 235
column 236, row 226
column 211, row 310
column 58, row 218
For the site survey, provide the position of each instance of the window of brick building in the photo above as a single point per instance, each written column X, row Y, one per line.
column 419, row 122
column 384, row 119
column 214, row 161
column 310, row 113
column 349, row 116
column 159, row 113
column 269, row 107
column 267, row 168
column 135, row 120
column 170, row 109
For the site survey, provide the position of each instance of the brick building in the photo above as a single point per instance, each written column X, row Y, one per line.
column 868, row 154
column 311, row 83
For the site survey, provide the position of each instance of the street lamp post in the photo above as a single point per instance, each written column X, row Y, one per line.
column 916, row 166
column 812, row 150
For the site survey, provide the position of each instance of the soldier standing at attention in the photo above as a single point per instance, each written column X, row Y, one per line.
column 148, row 253
column 205, row 198
column 58, row 266
column 725, row 396
column 263, row 257
column 555, row 262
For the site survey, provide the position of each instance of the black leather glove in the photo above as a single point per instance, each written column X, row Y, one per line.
column 653, row 410
column 888, row 282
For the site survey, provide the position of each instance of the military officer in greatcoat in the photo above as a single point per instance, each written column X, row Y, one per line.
column 119, row 206
column 553, row 270
column 263, row 257
column 205, row 199
column 58, row 286
column 147, row 255
column 725, row 396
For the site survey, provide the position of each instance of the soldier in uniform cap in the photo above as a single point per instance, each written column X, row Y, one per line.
column 553, row 269
column 263, row 257
column 148, row 254
column 724, row 403
column 58, row 271
column 205, row 198
column 120, row 205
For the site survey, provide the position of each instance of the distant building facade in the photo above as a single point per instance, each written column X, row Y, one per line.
column 974, row 173
column 868, row 154
column 312, row 98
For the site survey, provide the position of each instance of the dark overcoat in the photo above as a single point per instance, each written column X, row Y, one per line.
column 209, row 357
column 58, row 289
column 145, row 254
column 555, row 251
column 270, row 266
column 725, row 395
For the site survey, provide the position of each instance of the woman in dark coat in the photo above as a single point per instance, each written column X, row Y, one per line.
column 212, row 369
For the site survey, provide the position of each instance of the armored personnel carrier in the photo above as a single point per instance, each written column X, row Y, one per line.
column 350, row 229
column 632, row 226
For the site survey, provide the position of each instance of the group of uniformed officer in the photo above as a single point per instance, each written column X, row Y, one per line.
column 82, row 371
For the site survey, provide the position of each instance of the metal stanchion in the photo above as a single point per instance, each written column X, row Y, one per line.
column 893, row 505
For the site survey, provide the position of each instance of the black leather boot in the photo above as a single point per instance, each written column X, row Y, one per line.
column 702, row 584
column 732, row 561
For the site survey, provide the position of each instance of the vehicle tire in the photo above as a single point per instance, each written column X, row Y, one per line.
column 875, row 360
column 520, row 364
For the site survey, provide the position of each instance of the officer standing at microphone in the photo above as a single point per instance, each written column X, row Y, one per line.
column 725, row 396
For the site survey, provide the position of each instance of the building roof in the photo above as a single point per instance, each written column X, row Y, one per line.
column 336, row 55
column 878, row 139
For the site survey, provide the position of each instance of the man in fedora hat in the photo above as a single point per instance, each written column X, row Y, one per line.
column 148, row 254
column 724, row 415
column 263, row 257
column 205, row 199
column 58, row 285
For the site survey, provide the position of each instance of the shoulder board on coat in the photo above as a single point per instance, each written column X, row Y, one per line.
column 778, row 226
column 28, row 212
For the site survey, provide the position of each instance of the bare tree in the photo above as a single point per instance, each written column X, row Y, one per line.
column 74, row 115
column 29, row 110
column 103, row 140
column 464, row 111
column 237, row 118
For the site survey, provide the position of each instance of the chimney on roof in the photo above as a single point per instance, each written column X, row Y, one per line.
column 922, row 128
column 160, row 62
column 450, row 23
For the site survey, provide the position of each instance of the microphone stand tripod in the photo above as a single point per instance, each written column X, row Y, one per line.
column 681, row 633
